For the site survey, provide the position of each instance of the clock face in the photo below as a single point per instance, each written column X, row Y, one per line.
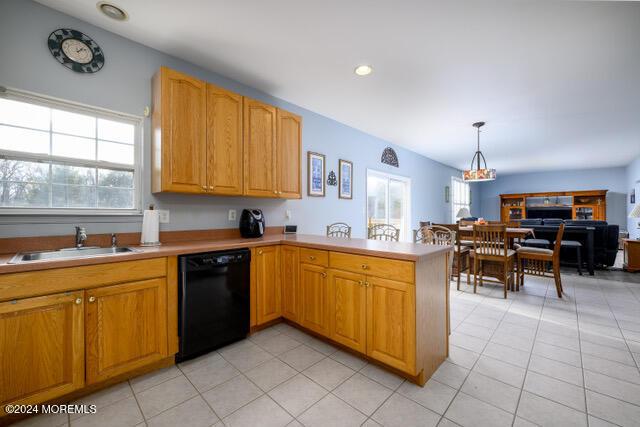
column 76, row 50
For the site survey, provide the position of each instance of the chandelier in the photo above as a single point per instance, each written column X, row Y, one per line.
column 479, row 173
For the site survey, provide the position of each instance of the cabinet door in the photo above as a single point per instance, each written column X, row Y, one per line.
column 268, row 290
column 41, row 348
column 391, row 327
column 289, row 150
column 314, row 308
column 259, row 149
column 224, row 141
column 183, row 110
column 290, row 257
column 347, row 309
column 126, row 327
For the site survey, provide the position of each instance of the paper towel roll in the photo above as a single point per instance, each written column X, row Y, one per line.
column 150, row 228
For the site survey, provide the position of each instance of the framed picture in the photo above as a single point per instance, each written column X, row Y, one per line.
column 315, row 174
column 345, row 169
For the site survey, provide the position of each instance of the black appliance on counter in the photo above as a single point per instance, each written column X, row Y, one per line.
column 213, row 301
column 252, row 223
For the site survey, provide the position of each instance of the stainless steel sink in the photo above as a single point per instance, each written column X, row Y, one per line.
column 85, row 252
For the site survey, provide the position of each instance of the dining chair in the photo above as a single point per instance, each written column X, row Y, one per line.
column 534, row 261
column 339, row 229
column 461, row 259
column 384, row 232
column 489, row 244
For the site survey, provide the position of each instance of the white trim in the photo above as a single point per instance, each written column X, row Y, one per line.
column 405, row 234
column 100, row 113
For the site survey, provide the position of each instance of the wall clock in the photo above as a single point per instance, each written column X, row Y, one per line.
column 76, row 50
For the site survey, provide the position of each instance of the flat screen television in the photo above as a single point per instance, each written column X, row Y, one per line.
column 550, row 212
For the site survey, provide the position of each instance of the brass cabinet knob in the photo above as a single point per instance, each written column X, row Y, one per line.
column 311, row 257
column 360, row 282
column 365, row 266
column 78, row 301
column 323, row 274
column 259, row 251
column 275, row 191
column 92, row 299
column 366, row 284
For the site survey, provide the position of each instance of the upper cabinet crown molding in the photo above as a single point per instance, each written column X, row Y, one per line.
column 209, row 140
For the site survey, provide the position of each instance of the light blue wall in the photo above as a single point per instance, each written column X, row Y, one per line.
column 124, row 84
column 612, row 179
column 633, row 181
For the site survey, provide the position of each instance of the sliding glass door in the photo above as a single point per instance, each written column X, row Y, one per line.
column 388, row 201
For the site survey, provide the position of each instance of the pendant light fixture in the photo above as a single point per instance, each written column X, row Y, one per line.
column 479, row 173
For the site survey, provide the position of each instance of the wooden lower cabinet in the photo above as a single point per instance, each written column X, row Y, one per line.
column 347, row 308
column 126, row 328
column 391, row 323
column 289, row 269
column 268, row 283
column 41, row 348
column 314, row 307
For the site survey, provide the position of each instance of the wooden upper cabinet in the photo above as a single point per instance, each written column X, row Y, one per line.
column 347, row 310
column 126, row 327
column 314, row 306
column 289, row 150
column 290, row 257
column 41, row 348
column 260, row 159
column 391, row 323
column 206, row 139
column 224, row 141
column 268, row 290
column 179, row 158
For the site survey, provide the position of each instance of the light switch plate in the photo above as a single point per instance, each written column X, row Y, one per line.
column 164, row 216
column 232, row 214
column 287, row 214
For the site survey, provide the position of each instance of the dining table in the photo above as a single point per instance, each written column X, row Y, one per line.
column 466, row 233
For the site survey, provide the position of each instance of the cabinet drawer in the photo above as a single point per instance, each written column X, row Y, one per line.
column 373, row 266
column 314, row 256
column 43, row 282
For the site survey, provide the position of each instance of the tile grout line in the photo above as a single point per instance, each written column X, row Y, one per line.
column 200, row 394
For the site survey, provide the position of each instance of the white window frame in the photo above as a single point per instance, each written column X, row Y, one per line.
column 405, row 234
column 75, row 107
column 455, row 207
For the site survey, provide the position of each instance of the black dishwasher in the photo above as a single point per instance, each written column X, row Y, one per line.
column 213, row 301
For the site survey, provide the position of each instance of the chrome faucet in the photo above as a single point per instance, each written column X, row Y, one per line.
column 114, row 240
column 81, row 236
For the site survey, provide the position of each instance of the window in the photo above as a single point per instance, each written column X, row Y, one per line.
column 389, row 201
column 460, row 197
column 59, row 157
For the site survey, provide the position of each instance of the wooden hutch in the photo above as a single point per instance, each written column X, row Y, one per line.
column 590, row 204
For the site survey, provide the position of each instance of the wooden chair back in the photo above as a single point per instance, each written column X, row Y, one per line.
column 339, row 229
column 557, row 246
column 490, row 240
column 435, row 235
column 384, row 232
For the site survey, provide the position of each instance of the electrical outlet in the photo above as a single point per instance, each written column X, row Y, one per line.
column 287, row 214
column 164, row 216
column 232, row 214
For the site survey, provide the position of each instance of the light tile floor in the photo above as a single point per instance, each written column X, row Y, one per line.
column 529, row 360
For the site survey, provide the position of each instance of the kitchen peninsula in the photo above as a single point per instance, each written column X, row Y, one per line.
column 386, row 301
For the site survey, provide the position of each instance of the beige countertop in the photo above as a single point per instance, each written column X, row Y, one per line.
column 383, row 249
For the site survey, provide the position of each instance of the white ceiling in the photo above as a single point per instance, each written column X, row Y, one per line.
column 558, row 83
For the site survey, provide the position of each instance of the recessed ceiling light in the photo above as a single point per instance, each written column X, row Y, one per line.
column 363, row 70
column 112, row 11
